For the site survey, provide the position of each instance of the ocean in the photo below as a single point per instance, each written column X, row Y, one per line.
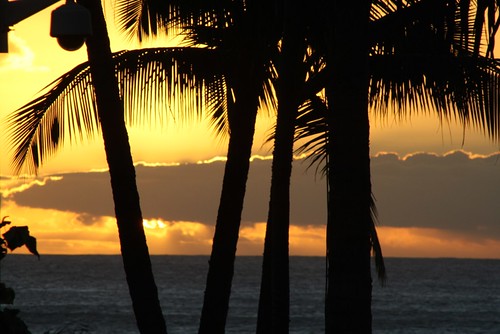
column 88, row 294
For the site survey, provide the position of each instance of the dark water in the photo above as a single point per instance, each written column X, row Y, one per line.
column 88, row 294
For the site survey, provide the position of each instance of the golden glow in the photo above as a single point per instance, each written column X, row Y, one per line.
column 23, row 59
column 35, row 60
column 308, row 240
column 425, row 133
column 154, row 224
column 177, row 237
column 62, row 232
column 427, row 242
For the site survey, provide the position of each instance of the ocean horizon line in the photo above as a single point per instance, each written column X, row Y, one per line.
column 253, row 256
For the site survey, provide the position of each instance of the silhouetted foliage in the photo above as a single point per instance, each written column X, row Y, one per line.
column 16, row 236
column 402, row 55
column 10, row 323
column 243, row 35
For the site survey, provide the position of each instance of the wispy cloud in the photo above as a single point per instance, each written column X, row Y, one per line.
column 20, row 57
column 12, row 186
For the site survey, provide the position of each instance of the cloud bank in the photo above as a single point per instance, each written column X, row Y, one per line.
column 455, row 193
column 187, row 192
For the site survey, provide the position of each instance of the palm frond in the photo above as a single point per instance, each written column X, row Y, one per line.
column 311, row 132
column 375, row 243
column 432, row 55
column 219, row 105
column 424, row 57
column 461, row 24
column 39, row 128
column 141, row 18
column 229, row 26
column 461, row 87
column 155, row 85
column 179, row 82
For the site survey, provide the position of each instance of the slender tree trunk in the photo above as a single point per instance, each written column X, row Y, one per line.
column 221, row 266
column 349, row 286
column 274, row 303
column 134, row 248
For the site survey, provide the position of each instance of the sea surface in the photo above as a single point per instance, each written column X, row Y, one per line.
column 88, row 294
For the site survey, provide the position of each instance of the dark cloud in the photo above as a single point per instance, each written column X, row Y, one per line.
column 453, row 192
column 188, row 192
column 87, row 219
column 83, row 193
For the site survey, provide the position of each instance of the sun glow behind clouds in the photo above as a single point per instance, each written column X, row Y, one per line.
column 430, row 242
column 64, row 232
column 178, row 237
column 153, row 224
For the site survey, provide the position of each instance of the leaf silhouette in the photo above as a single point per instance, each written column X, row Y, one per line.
column 4, row 222
column 31, row 245
column 7, row 295
column 3, row 248
column 18, row 236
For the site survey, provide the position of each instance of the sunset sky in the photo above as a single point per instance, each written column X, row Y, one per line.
column 433, row 201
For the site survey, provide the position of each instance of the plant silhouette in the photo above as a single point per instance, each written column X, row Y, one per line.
column 404, row 56
column 15, row 237
column 101, row 108
column 244, row 38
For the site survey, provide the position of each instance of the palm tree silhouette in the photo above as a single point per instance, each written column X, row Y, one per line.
column 67, row 110
column 86, row 100
column 246, row 41
column 291, row 69
column 426, row 54
column 274, row 302
column 135, row 254
column 241, row 122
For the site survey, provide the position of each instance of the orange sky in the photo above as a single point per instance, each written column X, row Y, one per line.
column 60, row 232
column 35, row 60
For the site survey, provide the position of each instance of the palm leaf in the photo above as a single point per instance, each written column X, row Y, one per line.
column 147, row 17
column 425, row 59
column 458, row 23
column 36, row 129
column 311, row 130
column 226, row 25
column 425, row 55
column 375, row 243
column 155, row 84
column 465, row 88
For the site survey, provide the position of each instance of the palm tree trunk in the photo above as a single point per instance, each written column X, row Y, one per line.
column 274, row 308
column 134, row 248
column 221, row 266
column 274, row 302
column 349, row 285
